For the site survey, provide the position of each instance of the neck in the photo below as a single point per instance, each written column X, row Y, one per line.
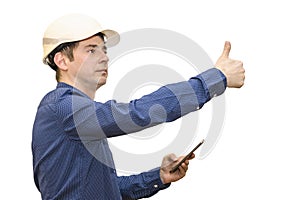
column 86, row 90
column 90, row 93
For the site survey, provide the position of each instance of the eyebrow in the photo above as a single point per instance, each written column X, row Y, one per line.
column 95, row 46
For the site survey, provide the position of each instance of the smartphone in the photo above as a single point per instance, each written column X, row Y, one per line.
column 186, row 157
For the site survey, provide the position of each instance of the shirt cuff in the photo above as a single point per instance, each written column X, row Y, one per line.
column 152, row 184
column 214, row 80
column 156, row 182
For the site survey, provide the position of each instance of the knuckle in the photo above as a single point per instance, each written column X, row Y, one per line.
column 242, row 83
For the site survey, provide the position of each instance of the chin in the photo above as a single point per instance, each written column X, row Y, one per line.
column 101, row 83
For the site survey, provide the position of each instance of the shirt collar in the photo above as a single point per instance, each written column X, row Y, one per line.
column 75, row 90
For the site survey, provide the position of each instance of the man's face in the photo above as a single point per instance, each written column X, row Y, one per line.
column 90, row 64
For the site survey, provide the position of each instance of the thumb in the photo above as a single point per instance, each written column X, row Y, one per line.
column 226, row 50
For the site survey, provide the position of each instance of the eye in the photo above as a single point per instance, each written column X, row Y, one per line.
column 92, row 51
column 104, row 50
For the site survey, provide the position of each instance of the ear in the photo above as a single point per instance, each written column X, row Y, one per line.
column 60, row 61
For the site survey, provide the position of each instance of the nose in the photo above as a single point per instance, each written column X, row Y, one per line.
column 104, row 57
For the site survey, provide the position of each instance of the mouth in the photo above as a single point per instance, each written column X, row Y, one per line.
column 103, row 72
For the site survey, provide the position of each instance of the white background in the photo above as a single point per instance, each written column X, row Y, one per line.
column 257, row 156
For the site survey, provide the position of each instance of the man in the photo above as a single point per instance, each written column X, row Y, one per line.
column 71, row 156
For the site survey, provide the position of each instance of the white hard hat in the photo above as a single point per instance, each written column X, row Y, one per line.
column 74, row 27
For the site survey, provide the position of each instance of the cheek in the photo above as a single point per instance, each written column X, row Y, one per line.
column 82, row 64
column 85, row 64
column 88, row 60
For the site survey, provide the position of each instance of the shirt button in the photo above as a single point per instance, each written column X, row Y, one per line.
column 155, row 186
column 198, row 108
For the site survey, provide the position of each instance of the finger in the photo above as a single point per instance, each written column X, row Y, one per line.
column 182, row 170
column 184, row 167
column 192, row 156
column 226, row 50
column 187, row 162
column 168, row 160
column 170, row 157
column 180, row 158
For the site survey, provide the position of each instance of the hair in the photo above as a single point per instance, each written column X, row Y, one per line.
column 67, row 49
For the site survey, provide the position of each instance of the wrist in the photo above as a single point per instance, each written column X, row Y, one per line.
column 162, row 178
column 220, row 69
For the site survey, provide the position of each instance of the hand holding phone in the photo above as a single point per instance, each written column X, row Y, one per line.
column 186, row 157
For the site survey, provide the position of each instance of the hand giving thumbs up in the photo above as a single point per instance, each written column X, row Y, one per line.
column 232, row 69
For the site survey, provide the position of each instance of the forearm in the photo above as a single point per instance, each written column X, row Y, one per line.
column 95, row 120
column 141, row 185
column 168, row 103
